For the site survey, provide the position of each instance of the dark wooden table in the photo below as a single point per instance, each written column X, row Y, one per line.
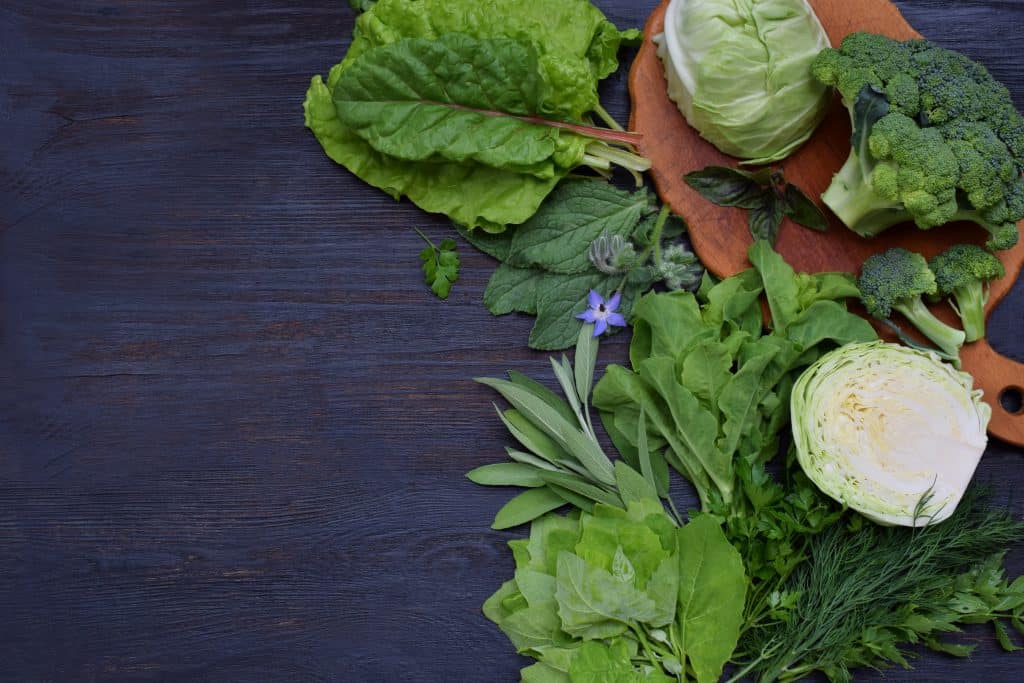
column 233, row 422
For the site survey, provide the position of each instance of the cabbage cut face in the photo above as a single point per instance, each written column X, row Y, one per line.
column 740, row 72
column 891, row 432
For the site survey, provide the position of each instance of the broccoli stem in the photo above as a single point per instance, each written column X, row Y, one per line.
column 852, row 199
column 945, row 337
column 1001, row 236
column 970, row 306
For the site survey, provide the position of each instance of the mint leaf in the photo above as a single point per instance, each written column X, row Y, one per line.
column 440, row 265
column 512, row 289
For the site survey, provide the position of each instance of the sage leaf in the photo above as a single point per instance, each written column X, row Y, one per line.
column 543, row 393
column 633, row 486
column 506, row 474
column 585, row 362
column 727, row 186
column 572, row 498
column 712, row 589
column 580, row 487
column 588, row 453
column 525, row 507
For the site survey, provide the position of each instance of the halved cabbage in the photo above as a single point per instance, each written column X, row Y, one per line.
column 740, row 71
column 889, row 431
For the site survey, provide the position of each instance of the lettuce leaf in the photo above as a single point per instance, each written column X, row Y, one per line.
column 575, row 47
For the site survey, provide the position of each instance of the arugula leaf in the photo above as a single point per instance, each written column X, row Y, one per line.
column 440, row 265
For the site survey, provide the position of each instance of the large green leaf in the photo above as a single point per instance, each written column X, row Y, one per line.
column 576, row 46
column 580, row 210
column 471, row 194
column 512, row 289
column 712, row 589
column 595, row 604
column 422, row 99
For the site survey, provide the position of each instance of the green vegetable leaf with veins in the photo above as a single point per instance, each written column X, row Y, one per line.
column 440, row 265
column 575, row 45
column 712, row 589
column 547, row 263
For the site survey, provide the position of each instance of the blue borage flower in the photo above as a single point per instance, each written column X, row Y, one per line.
column 602, row 313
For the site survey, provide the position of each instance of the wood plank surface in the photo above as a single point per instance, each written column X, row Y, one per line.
column 233, row 421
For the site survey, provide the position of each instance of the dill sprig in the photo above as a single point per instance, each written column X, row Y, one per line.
column 868, row 590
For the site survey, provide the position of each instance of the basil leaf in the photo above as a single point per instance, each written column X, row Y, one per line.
column 727, row 187
column 802, row 210
column 766, row 219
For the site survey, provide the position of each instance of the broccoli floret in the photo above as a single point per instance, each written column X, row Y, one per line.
column 963, row 271
column 895, row 280
column 935, row 139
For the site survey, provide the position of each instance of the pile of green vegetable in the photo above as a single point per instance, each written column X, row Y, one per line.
column 769, row 577
column 795, row 427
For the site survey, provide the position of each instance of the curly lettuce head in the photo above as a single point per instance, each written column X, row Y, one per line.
column 891, row 432
column 740, row 72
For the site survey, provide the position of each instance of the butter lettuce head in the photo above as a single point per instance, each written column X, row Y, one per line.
column 889, row 431
column 740, row 72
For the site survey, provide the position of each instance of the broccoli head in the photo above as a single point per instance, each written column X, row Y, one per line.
column 895, row 280
column 963, row 272
column 935, row 139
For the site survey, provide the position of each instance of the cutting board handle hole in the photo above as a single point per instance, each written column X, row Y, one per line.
column 1012, row 400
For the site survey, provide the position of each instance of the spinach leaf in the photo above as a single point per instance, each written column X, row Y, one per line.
column 712, row 588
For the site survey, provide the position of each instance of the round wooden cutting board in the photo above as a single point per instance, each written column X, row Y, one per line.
column 720, row 235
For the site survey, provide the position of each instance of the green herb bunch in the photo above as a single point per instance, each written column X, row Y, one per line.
column 588, row 235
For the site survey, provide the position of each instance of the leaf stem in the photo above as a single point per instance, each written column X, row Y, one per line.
column 425, row 238
column 606, row 117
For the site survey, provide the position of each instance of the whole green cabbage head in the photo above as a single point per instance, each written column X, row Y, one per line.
column 889, row 431
column 740, row 72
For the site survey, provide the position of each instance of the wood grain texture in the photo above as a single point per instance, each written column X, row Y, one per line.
column 720, row 235
column 233, row 421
